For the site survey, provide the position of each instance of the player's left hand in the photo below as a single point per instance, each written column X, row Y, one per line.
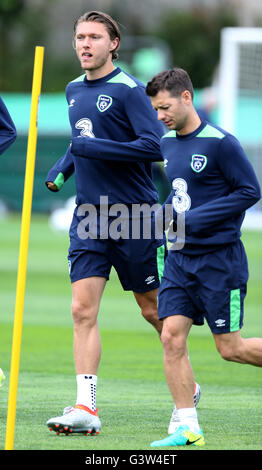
column 51, row 186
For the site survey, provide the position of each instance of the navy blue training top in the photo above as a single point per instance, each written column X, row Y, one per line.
column 115, row 137
column 7, row 128
column 213, row 183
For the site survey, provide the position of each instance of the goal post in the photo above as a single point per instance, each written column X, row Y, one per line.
column 240, row 72
column 240, row 90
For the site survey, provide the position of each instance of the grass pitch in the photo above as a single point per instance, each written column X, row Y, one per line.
column 133, row 398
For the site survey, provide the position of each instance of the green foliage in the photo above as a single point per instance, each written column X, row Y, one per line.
column 193, row 37
column 194, row 40
column 22, row 28
column 9, row 8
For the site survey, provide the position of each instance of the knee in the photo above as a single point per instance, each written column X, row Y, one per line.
column 174, row 344
column 82, row 312
column 229, row 352
column 149, row 313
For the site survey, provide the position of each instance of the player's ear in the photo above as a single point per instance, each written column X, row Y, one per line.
column 186, row 96
column 115, row 44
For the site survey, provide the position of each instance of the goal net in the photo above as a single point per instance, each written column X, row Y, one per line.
column 240, row 91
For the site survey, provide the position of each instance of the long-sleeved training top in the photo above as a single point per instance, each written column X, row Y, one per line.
column 213, row 183
column 7, row 128
column 115, row 139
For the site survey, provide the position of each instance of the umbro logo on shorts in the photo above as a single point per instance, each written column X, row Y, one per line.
column 220, row 322
column 150, row 279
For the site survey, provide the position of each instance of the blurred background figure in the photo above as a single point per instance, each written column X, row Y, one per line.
column 7, row 128
column 7, row 137
column 208, row 104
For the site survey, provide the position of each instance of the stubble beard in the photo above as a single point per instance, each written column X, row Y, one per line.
column 98, row 64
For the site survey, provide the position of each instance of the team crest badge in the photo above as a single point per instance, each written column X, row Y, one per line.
column 104, row 102
column 198, row 163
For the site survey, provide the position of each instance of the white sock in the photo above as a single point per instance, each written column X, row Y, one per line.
column 188, row 416
column 86, row 390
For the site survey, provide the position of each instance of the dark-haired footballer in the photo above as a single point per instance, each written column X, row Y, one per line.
column 213, row 183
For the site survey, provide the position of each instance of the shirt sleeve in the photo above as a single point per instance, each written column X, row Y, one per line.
column 148, row 131
column 244, row 190
column 8, row 132
column 61, row 171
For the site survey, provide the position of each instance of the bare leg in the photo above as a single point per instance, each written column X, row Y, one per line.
column 233, row 347
column 148, row 303
column 178, row 369
column 87, row 295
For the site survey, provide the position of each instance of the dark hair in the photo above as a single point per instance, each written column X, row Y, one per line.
column 175, row 81
column 100, row 17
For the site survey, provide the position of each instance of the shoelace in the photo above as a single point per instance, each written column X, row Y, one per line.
column 67, row 410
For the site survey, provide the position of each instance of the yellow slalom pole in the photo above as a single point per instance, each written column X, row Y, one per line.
column 23, row 250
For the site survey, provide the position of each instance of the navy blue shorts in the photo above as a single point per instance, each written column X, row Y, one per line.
column 139, row 263
column 210, row 286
